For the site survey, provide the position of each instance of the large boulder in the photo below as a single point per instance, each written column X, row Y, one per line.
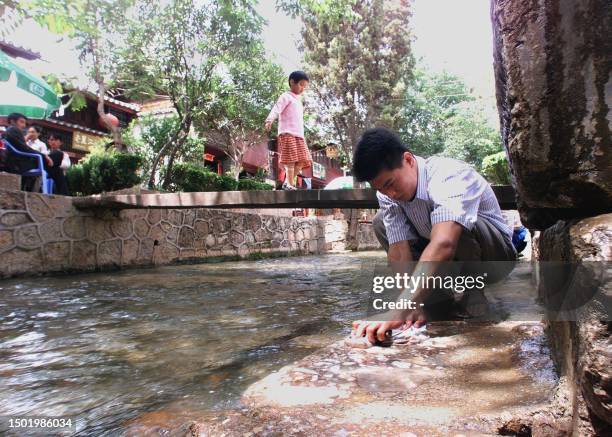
column 553, row 63
column 574, row 284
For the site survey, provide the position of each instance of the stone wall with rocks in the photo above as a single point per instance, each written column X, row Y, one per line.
column 553, row 72
column 580, row 336
column 9, row 181
column 43, row 234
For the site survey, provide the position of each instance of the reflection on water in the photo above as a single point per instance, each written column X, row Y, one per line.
column 107, row 347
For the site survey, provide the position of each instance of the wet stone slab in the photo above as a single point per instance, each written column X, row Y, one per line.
column 465, row 379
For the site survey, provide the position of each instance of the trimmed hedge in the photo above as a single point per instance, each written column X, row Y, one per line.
column 104, row 170
column 248, row 184
column 193, row 178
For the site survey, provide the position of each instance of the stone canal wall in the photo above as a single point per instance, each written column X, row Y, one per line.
column 44, row 234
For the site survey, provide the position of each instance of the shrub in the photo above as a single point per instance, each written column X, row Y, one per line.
column 496, row 169
column 104, row 170
column 248, row 184
column 189, row 177
column 228, row 183
column 75, row 178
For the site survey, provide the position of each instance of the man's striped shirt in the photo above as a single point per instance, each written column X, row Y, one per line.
column 447, row 190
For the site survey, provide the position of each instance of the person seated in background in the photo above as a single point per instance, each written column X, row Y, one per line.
column 33, row 140
column 3, row 153
column 61, row 161
column 17, row 163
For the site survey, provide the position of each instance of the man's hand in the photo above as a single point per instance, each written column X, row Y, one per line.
column 376, row 330
column 268, row 126
column 49, row 161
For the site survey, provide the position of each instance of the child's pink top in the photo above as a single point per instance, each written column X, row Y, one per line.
column 290, row 113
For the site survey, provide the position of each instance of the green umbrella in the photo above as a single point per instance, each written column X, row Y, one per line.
column 23, row 92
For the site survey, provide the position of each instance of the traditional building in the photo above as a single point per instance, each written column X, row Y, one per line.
column 81, row 129
column 262, row 156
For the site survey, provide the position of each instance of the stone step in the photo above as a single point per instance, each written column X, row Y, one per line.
column 466, row 379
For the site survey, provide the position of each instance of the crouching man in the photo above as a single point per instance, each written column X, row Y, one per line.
column 434, row 212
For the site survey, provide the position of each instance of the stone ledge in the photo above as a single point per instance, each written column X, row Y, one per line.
column 358, row 198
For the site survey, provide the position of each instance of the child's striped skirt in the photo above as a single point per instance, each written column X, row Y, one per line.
column 293, row 150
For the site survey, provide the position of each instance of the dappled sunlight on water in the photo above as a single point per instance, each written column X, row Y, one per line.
column 107, row 347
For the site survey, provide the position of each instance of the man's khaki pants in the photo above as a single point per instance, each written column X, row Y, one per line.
column 483, row 250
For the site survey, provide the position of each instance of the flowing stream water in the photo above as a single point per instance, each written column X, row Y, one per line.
column 105, row 348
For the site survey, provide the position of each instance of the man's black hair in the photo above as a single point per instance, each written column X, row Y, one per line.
column 37, row 128
column 298, row 75
column 15, row 116
column 56, row 136
column 378, row 149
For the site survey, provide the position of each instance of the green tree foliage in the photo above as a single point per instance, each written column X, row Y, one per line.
column 147, row 135
column 468, row 137
column 53, row 15
column 63, row 85
column 358, row 55
column 442, row 117
column 96, row 27
column 429, row 102
column 242, row 99
column 178, row 48
column 104, row 170
column 496, row 169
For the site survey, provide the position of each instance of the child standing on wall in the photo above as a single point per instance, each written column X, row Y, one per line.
column 294, row 155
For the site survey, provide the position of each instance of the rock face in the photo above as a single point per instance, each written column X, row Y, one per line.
column 580, row 335
column 553, row 68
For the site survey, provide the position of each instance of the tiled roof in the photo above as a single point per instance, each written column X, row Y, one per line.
column 91, row 93
column 18, row 51
column 132, row 106
column 164, row 111
column 75, row 126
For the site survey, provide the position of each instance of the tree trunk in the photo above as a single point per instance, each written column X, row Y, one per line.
column 353, row 227
column 168, row 177
column 236, row 166
column 186, row 121
column 115, row 130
